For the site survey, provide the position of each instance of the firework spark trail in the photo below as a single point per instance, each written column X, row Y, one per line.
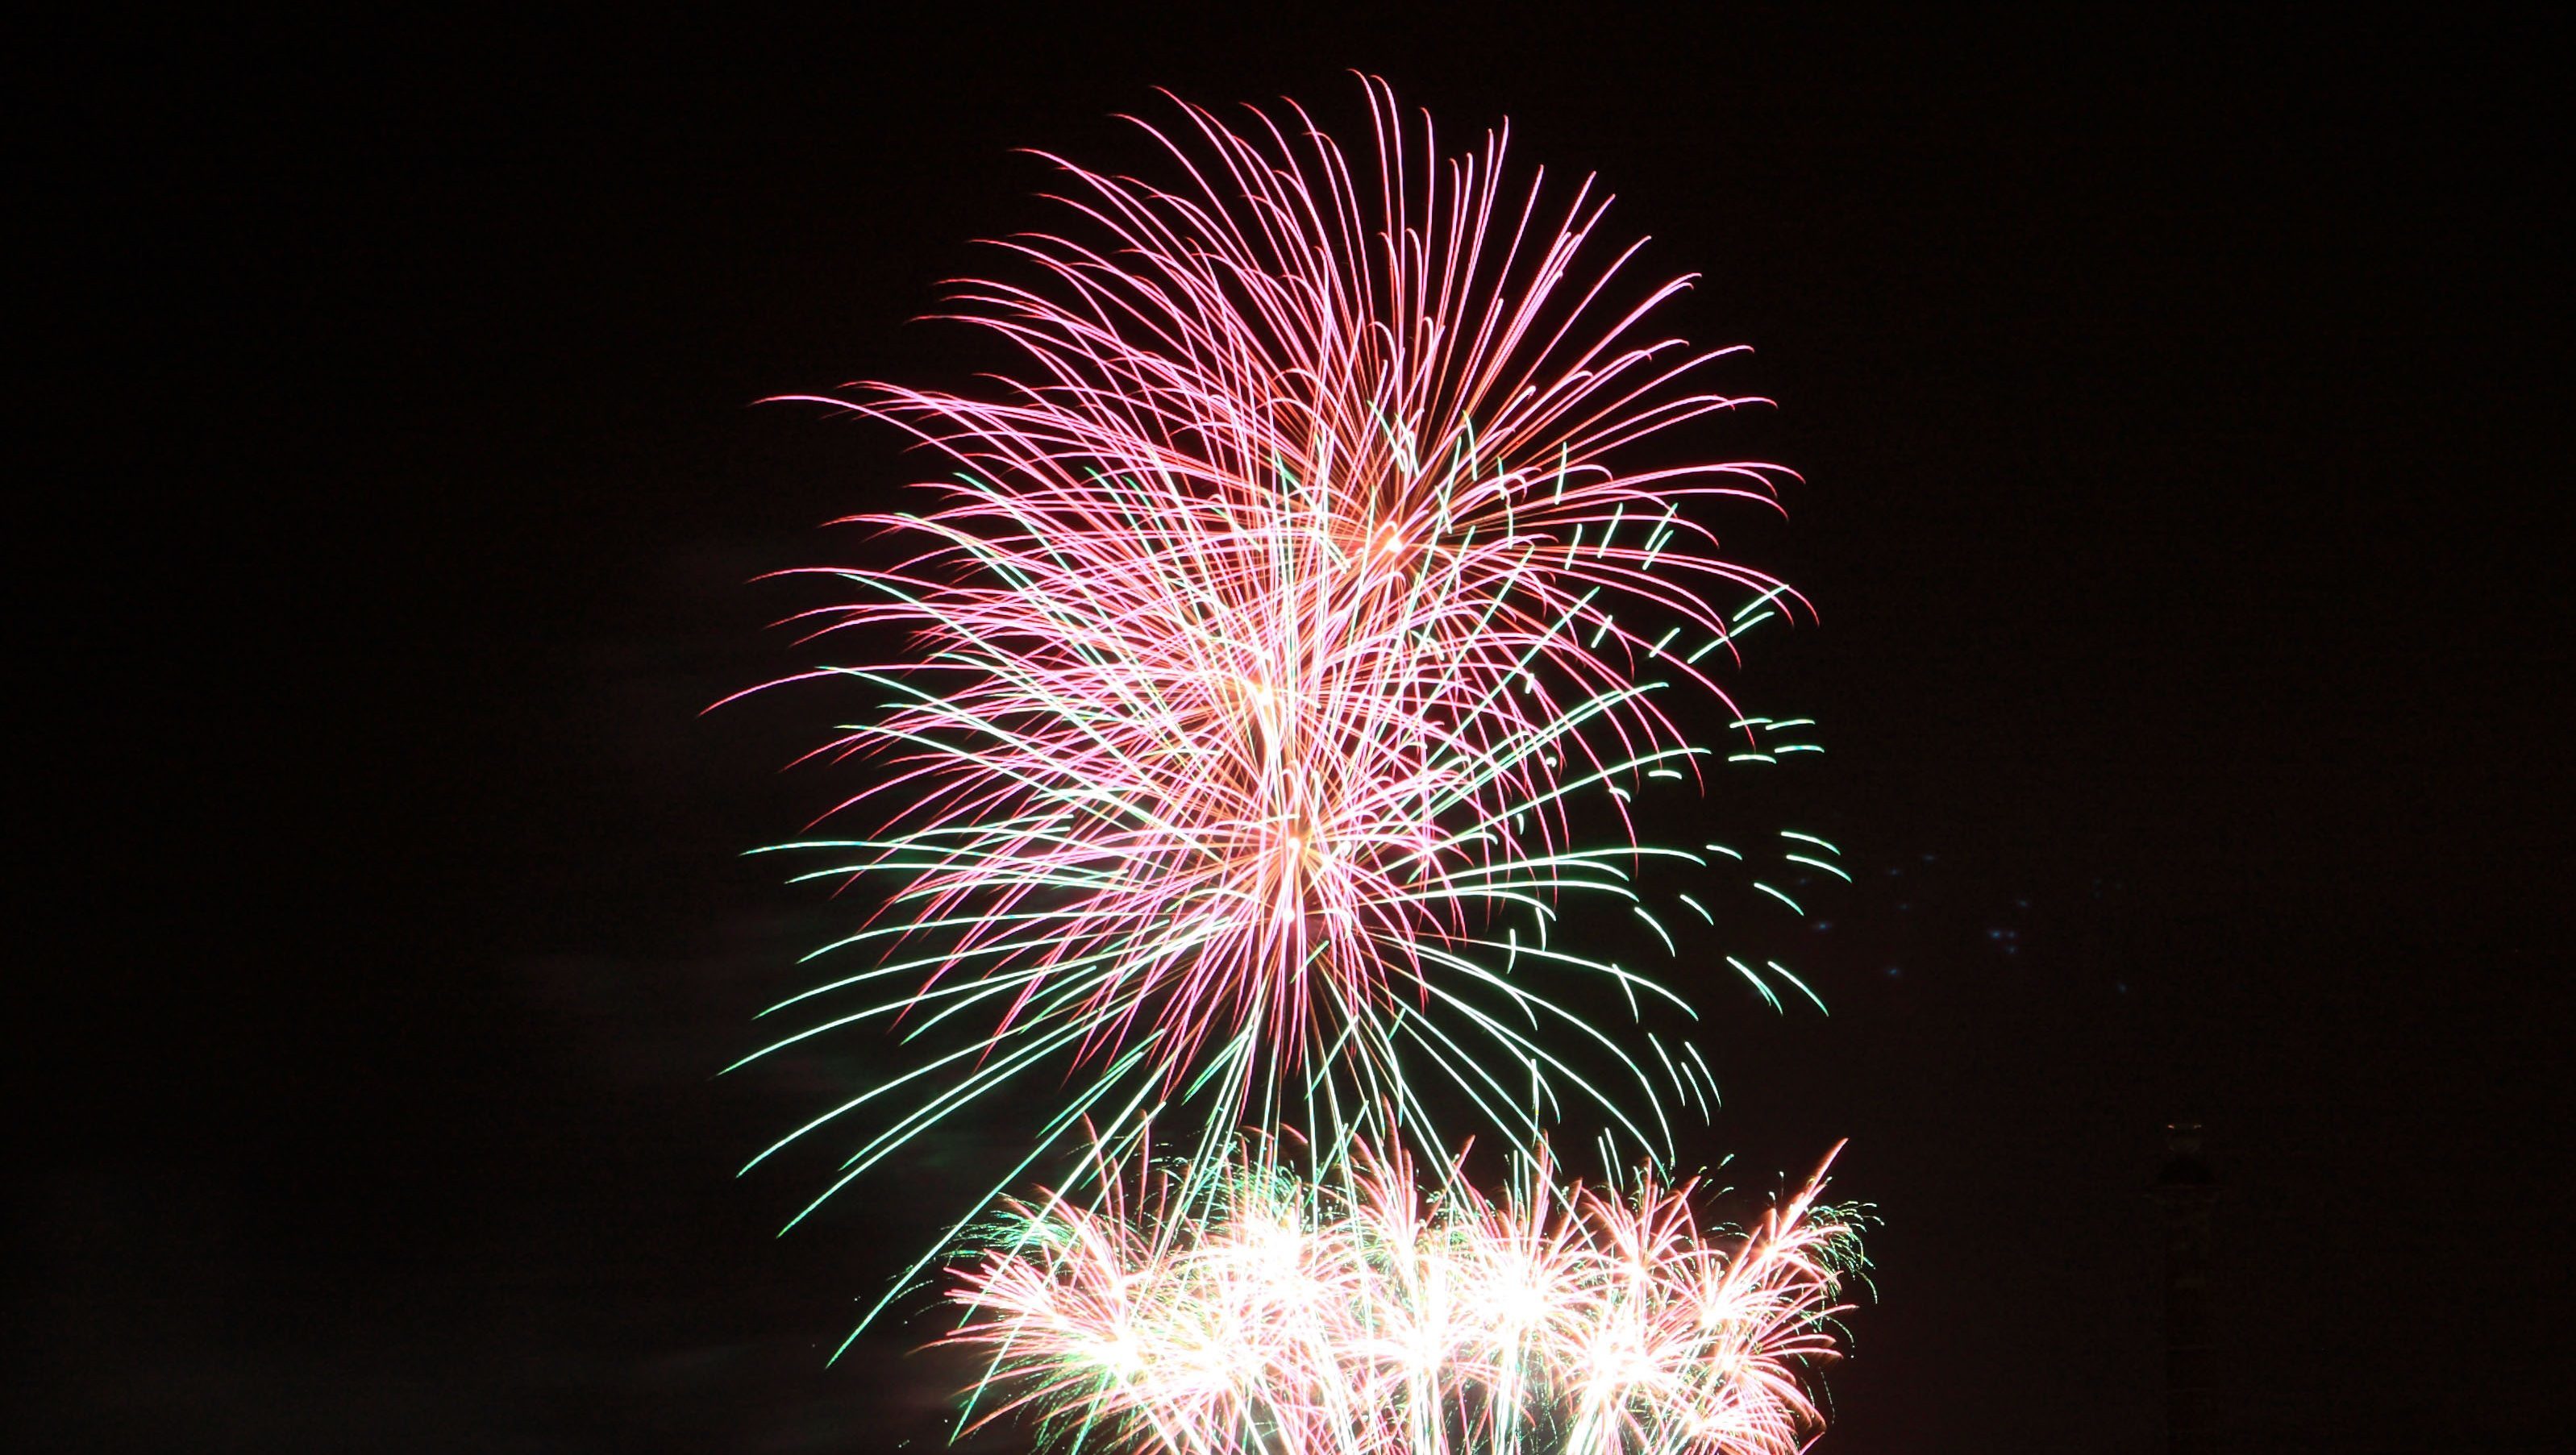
column 1360, row 1314
column 1262, row 645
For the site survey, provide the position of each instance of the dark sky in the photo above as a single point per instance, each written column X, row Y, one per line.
column 2170, row 395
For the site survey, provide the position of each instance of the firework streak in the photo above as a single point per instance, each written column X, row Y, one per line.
column 1274, row 1314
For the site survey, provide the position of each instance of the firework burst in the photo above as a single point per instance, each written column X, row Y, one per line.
column 1366, row 1314
column 1271, row 623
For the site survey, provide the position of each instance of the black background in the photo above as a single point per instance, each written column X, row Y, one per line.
column 2173, row 394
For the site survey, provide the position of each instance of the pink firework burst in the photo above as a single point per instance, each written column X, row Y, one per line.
column 1273, row 616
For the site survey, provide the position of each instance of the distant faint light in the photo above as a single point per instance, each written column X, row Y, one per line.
column 1824, row 924
column 1894, row 970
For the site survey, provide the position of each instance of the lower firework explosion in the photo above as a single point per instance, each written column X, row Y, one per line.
column 1366, row 1313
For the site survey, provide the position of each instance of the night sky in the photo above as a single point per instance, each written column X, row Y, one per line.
column 2170, row 395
